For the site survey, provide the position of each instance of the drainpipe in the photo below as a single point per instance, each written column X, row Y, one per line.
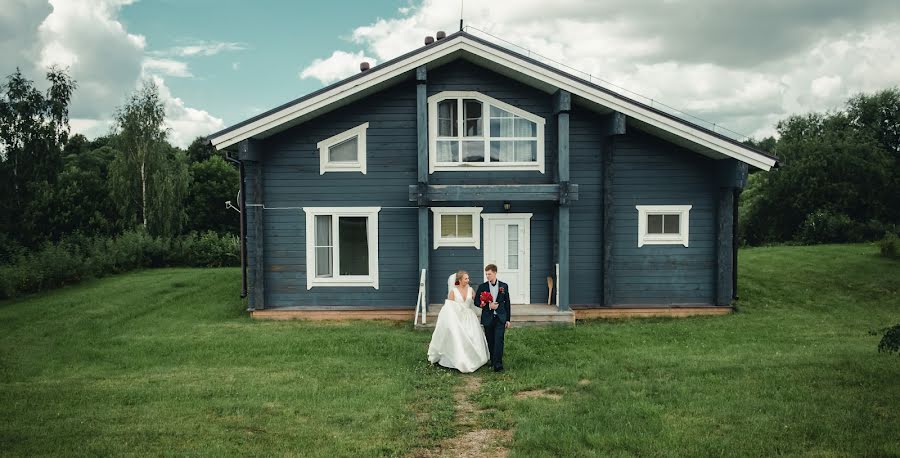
column 243, row 224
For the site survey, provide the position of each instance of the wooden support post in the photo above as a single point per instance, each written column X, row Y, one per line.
column 422, row 144
column 724, row 253
column 607, row 227
column 259, row 278
column 562, row 106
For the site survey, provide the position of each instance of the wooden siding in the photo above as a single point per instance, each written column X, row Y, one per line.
column 649, row 171
column 291, row 179
column 586, row 215
column 461, row 75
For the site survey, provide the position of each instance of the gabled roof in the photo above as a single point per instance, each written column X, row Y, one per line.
column 509, row 63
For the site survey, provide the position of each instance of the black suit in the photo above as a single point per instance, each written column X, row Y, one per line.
column 495, row 324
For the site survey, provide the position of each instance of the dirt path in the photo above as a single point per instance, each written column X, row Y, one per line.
column 473, row 443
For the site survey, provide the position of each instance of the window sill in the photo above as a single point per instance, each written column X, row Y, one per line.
column 343, row 282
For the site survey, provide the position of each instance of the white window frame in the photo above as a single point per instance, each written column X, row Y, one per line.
column 370, row 280
column 487, row 166
column 359, row 166
column 474, row 241
column 644, row 211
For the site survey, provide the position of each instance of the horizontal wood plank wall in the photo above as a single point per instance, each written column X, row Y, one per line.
column 292, row 179
column 648, row 171
column 461, row 75
column 586, row 214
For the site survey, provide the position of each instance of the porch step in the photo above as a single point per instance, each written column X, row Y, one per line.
column 522, row 315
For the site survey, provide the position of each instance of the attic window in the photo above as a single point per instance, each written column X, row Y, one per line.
column 663, row 224
column 344, row 152
column 470, row 129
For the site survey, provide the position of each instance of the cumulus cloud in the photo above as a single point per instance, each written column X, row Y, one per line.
column 744, row 65
column 106, row 61
column 185, row 123
column 339, row 65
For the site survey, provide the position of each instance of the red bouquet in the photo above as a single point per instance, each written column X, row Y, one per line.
column 486, row 298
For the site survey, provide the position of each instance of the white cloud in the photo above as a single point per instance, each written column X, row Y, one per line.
column 106, row 61
column 205, row 48
column 710, row 60
column 340, row 65
column 167, row 67
column 185, row 123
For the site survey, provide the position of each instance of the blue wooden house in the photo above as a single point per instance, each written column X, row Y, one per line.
column 463, row 153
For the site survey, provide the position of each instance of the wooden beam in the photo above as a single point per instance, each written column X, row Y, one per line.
column 565, row 286
column 259, row 278
column 454, row 193
column 422, row 185
column 732, row 173
column 724, row 252
column 249, row 150
column 607, row 231
column 613, row 124
column 648, row 312
column 562, row 105
column 422, row 123
column 562, row 102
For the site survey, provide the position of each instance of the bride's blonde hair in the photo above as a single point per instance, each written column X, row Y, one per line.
column 459, row 276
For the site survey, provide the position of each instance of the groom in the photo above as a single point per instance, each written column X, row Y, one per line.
column 495, row 317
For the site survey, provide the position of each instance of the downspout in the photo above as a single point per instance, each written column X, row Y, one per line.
column 734, row 245
column 243, row 224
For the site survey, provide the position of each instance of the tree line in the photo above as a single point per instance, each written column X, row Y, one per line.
column 839, row 177
column 57, row 185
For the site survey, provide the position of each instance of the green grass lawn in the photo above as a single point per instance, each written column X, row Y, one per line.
column 166, row 362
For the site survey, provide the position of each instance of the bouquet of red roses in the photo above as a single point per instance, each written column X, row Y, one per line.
column 486, row 298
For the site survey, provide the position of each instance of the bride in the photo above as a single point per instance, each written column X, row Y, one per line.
column 458, row 341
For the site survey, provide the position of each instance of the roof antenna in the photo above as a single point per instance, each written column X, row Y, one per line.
column 461, row 4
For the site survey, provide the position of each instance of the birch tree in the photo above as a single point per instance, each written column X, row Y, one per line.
column 141, row 135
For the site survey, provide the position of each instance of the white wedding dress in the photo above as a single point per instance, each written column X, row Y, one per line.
column 458, row 341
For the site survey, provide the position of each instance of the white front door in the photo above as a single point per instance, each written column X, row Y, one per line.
column 507, row 244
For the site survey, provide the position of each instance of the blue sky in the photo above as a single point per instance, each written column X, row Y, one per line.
column 744, row 65
column 280, row 39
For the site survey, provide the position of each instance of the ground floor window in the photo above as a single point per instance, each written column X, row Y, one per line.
column 663, row 224
column 457, row 227
column 341, row 246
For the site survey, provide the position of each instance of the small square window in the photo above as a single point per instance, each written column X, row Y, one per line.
column 344, row 152
column 457, row 227
column 663, row 224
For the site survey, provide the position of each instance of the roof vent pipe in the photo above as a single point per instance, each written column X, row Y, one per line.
column 363, row 66
column 429, row 40
column 441, row 35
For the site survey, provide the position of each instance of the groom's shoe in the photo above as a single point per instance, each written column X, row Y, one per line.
column 498, row 368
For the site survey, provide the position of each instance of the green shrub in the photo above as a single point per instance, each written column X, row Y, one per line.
column 78, row 257
column 823, row 226
column 890, row 246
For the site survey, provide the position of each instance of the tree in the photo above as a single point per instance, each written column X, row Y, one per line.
column 149, row 179
column 141, row 134
column 213, row 182
column 200, row 150
column 34, row 129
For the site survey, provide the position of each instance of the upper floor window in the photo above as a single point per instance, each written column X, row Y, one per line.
column 470, row 129
column 344, row 152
